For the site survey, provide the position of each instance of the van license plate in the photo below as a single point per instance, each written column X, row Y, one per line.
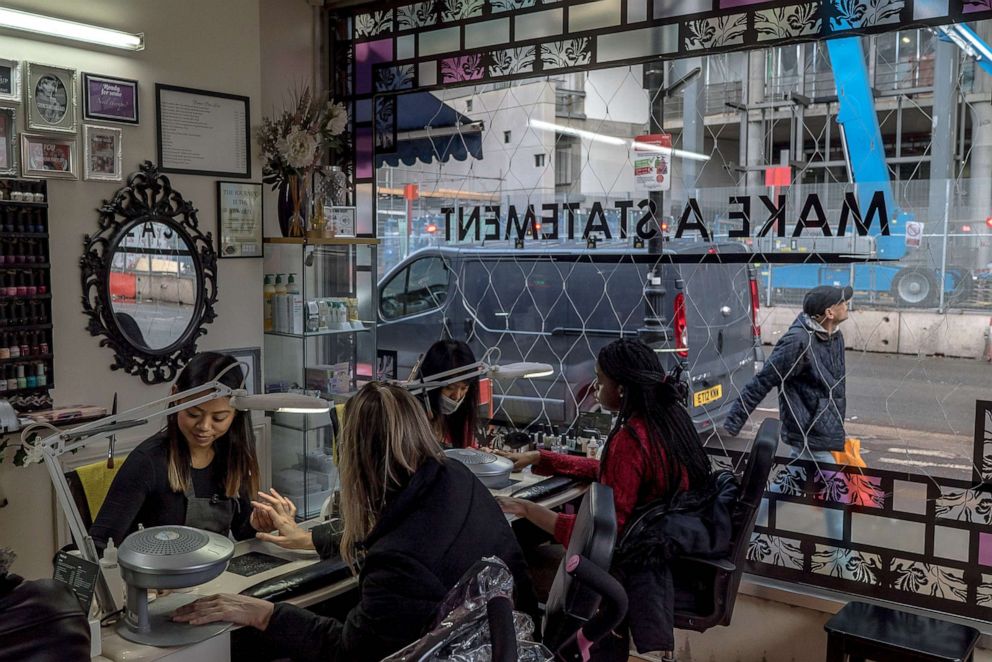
column 700, row 398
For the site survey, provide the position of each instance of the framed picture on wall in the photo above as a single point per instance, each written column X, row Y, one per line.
column 202, row 133
column 102, row 153
column 48, row 156
column 239, row 219
column 10, row 80
column 50, row 97
column 8, row 141
column 340, row 221
column 110, row 99
column 251, row 358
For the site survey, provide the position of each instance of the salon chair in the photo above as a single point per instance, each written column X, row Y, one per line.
column 89, row 485
column 571, row 603
column 706, row 589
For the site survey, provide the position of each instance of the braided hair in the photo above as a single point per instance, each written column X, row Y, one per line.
column 659, row 400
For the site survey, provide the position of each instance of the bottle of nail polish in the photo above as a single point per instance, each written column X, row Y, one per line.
column 13, row 347
column 42, row 377
column 22, row 380
column 40, row 278
column 25, row 347
column 30, row 288
column 4, row 349
column 43, row 346
column 31, row 378
column 11, row 378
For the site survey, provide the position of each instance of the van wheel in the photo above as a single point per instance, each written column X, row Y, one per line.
column 914, row 287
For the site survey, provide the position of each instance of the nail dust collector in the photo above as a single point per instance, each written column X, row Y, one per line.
column 493, row 470
column 168, row 557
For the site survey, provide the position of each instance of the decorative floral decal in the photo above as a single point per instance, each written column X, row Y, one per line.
column 394, row 78
column 510, row 5
column 787, row 480
column 852, row 14
column 385, row 124
column 987, row 442
column 512, row 61
column 849, row 488
column 788, row 22
column 373, row 23
column 420, row 15
column 715, row 32
column 926, row 579
column 984, row 593
column 465, row 67
column 846, row 564
column 965, row 506
column 568, row 53
column 976, row 5
column 457, row 10
column 774, row 550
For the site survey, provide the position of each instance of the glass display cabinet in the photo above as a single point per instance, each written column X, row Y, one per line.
column 320, row 313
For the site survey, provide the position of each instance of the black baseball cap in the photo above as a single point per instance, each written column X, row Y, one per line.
column 817, row 300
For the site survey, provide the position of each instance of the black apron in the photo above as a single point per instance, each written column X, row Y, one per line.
column 210, row 514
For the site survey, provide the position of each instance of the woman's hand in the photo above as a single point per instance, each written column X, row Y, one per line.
column 261, row 520
column 521, row 460
column 543, row 518
column 515, row 507
column 237, row 609
column 288, row 533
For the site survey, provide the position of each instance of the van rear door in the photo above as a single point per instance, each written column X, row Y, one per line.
column 720, row 340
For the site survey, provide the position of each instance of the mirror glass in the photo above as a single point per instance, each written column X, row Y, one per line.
column 153, row 285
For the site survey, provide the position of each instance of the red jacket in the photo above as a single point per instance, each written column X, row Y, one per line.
column 636, row 472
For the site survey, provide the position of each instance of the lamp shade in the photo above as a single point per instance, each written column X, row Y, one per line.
column 525, row 370
column 288, row 403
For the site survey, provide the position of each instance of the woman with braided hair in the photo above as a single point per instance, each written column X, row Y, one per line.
column 653, row 451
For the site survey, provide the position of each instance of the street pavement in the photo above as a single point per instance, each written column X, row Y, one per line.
column 912, row 414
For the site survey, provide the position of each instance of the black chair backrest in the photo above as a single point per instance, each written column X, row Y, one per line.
column 753, row 482
column 570, row 604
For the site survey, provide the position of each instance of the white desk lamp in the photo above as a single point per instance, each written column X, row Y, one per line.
column 483, row 368
column 61, row 442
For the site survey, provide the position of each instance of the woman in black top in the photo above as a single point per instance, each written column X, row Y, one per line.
column 413, row 522
column 200, row 471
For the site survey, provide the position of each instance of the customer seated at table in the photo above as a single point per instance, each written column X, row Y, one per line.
column 413, row 522
column 652, row 452
column 40, row 620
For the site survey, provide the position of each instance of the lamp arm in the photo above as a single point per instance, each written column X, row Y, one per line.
column 62, row 442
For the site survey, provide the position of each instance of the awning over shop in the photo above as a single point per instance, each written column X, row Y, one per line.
column 427, row 129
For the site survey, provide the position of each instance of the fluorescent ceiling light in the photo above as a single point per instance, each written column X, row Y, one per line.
column 614, row 140
column 581, row 133
column 57, row 27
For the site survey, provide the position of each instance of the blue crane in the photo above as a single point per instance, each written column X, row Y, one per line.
column 913, row 285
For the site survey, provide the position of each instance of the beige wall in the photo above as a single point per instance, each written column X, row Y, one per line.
column 255, row 48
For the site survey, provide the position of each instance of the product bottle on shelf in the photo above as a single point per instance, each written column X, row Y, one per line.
column 294, row 313
column 268, row 291
column 279, row 320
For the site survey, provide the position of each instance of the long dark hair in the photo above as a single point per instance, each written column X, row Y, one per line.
column 659, row 400
column 235, row 451
column 461, row 426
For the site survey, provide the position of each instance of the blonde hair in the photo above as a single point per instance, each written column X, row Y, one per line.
column 384, row 440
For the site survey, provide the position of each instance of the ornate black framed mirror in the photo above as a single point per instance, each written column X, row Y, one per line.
column 149, row 277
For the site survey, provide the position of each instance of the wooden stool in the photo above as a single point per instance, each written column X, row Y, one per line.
column 862, row 631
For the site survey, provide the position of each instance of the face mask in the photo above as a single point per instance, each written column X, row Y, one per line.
column 449, row 406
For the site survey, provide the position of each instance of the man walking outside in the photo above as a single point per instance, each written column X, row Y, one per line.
column 807, row 367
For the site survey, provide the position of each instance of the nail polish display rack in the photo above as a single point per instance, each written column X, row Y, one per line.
column 26, row 354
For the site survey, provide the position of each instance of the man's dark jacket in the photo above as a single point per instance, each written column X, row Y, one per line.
column 430, row 533
column 807, row 367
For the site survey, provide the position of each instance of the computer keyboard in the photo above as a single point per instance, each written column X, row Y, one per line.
column 300, row 581
column 545, row 488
